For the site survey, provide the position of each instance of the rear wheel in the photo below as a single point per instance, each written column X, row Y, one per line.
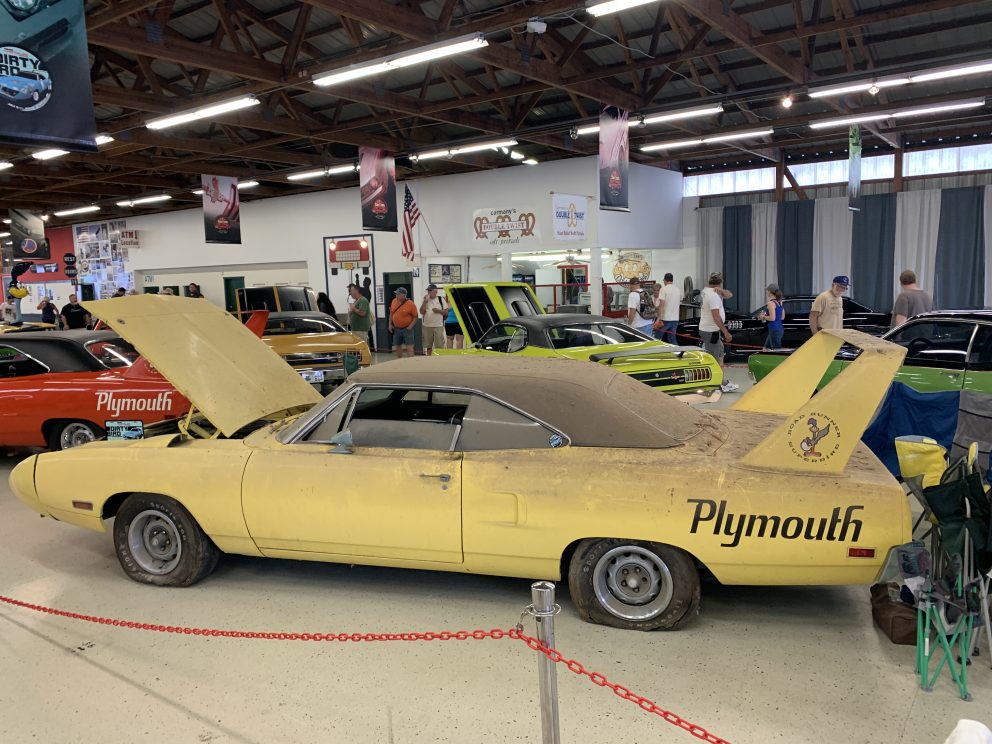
column 159, row 542
column 68, row 434
column 633, row 584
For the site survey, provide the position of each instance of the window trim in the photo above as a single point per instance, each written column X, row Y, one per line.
column 511, row 324
column 29, row 356
column 921, row 320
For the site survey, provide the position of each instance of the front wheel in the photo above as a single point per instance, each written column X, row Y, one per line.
column 158, row 542
column 633, row 584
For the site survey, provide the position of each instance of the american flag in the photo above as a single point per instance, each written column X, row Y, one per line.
column 411, row 213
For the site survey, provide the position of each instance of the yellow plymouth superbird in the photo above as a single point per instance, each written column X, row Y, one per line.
column 535, row 468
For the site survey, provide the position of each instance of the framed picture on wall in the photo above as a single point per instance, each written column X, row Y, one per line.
column 445, row 273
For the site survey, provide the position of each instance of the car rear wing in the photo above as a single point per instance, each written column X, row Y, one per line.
column 820, row 432
column 609, row 356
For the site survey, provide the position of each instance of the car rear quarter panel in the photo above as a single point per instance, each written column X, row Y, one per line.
column 204, row 476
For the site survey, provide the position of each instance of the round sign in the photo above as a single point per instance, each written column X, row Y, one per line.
column 70, row 271
column 69, row 259
column 29, row 246
column 26, row 85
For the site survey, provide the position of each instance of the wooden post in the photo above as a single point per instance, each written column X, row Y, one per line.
column 897, row 173
column 779, row 178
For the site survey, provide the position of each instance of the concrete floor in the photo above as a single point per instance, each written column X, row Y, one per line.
column 758, row 665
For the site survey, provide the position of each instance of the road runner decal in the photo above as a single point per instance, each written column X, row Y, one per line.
column 736, row 526
column 116, row 403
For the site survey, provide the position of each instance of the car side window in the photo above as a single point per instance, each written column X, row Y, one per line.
column 15, row 363
column 944, row 342
column 980, row 357
column 488, row 425
column 797, row 307
column 407, row 418
column 850, row 306
column 326, row 427
column 504, row 338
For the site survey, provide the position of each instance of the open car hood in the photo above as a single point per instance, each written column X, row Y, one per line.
column 212, row 359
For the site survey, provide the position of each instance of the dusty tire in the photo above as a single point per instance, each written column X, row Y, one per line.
column 634, row 585
column 67, row 434
column 158, row 542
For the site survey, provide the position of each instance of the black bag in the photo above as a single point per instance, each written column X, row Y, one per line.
column 894, row 617
column 647, row 310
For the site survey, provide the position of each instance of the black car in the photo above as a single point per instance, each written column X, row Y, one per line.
column 750, row 333
column 37, row 352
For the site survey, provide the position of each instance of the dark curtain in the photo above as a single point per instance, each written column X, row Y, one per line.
column 873, row 251
column 960, row 250
column 794, row 247
column 737, row 256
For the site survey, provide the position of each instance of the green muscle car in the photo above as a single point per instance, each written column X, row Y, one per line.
column 945, row 350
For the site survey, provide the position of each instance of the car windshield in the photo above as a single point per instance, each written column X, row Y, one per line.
column 291, row 326
column 594, row 334
column 113, row 354
column 28, row 75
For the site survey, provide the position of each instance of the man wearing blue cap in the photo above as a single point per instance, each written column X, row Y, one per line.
column 828, row 307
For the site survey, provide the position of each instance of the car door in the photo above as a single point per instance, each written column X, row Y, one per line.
column 936, row 353
column 978, row 375
column 393, row 494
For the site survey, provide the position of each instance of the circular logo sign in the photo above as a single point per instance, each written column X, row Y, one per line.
column 814, row 437
column 222, row 224
column 379, row 208
column 69, row 259
column 29, row 246
column 71, row 271
column 24, row 82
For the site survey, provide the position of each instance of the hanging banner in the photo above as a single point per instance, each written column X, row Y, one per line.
column 221, row 210
column 613, row 160
column 377, row 181
column 854, row 168
column 569, row 212
column 506, row 226
column 45, row 93
column 27, row 233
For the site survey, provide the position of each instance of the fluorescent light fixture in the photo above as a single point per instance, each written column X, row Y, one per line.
column 49, row 154
column 417, row 56
column 6, row 221
column 204, row 112
column 77, row 210
column 437, row 51
column 848, row 120
column 587, row 130
column 352, row 73
column 464, row 149
column 861, row 87
column 950, row 72
column 614, row 6
column 103, row 139
column 4, row 235
column 738, row 136
column 939, row 108
column 5, row 164
column 305, row 175
column 144, row 200
column 660, row 118
column 530, row 161
column 671, row 145
column 517, row 155
column 247, row 185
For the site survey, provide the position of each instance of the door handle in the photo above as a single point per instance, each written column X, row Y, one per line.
column 443, row 477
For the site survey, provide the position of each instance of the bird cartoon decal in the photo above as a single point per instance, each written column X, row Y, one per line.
column 808, row 445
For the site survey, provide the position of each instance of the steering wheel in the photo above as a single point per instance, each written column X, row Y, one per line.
column 918, row 345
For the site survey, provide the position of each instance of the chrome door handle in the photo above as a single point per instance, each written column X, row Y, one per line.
column 443, row 477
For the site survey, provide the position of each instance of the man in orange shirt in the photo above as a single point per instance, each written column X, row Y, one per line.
column 402, row 319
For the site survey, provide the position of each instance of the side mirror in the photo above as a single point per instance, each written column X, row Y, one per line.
column 343, row 443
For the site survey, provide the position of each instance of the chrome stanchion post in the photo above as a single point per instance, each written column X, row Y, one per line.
column 543, row 597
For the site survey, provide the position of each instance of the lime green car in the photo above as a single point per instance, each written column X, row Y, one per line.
column 946, row 350
column 504, row 318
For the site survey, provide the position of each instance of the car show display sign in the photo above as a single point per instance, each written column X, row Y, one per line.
column 45, row 93
column 614, row 163
column 569, row 216
column 124, row 430
column 221, row 210
column 854, row 168
column 27, row 232
column 104, row 259
column 377, row 185
column 506, row 226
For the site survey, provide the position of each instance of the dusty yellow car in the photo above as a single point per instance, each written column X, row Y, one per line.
column 315, row 345
column 535, row 468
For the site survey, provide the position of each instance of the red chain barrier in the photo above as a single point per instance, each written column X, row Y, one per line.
column 461, row 635
column 725, row 343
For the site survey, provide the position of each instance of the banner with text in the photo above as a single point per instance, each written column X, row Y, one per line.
column 854, row 168
column 613, row 160
column 509, row 227
column 569, row 212
column 27, row 233
column 45, row 75
column 221, row 210
column 377, row 181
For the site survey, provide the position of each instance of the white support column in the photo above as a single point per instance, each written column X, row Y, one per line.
column 596, row 280
column 506, row 267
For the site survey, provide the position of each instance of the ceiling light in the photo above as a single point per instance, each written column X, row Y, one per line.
column 6, row 221
column 614, row 6
column 847, row 120
column 862, row 87
column 247, row 185
column 738, row 136
column 144, row 200
column 662, row 117
column 949, row 72
column 305, row 175
column 49, row 154
column 204, row 112
column 530, row 161
column 464, row 149
column 5, row 164
column 517, row 155
column 77, row 210
column 44, row 217
column 671, row 145
column 787, row 102
column 939, row 108
column 4, row 235
column 587, row 130
column 352, row 73
column 103, row 139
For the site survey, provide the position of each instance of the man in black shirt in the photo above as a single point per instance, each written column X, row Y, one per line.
column 74, row 315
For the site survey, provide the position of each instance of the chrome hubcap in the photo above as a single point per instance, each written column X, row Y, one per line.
column 74, row 435
column 632, row 583
column 154, row 542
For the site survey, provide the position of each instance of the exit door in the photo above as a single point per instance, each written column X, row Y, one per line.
column 231, row 286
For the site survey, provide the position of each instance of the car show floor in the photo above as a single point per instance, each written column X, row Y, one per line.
column 760, row 664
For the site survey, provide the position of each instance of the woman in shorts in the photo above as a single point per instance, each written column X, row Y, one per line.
column 452, row 330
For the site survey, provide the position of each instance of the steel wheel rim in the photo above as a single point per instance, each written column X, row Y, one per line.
column 76, row 434
column 154, row 542
column 633, row 583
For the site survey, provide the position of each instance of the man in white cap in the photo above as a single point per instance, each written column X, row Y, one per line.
column 402, row 321
column 828, row 307
column 432, row 310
